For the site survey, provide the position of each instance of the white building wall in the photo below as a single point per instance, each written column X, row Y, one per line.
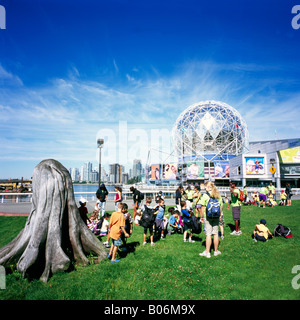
column 238, row 170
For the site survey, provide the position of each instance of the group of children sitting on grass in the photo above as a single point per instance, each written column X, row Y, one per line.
column 269, row 202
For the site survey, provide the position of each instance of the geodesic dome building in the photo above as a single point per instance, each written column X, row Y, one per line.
column 210, row 128
column 206, row 136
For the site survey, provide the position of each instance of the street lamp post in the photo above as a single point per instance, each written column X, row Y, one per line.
column 272, row 161
column 100, row 143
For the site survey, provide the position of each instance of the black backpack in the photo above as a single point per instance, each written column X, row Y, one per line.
column 282, row 231
column 99, row 224
column 148, row 217
column 141, row 196
column 196, row 225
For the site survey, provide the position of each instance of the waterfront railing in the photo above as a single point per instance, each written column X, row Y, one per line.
column 9, row 197
column 89, row 196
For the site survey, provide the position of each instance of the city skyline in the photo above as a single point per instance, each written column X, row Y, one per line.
column 88, row 172
column 72, row 72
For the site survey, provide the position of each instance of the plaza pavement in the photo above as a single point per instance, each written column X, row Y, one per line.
column 23, row 209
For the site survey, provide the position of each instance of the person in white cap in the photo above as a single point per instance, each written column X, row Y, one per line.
column 83, row 210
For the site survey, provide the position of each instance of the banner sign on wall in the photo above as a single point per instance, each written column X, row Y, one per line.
column 255, row 165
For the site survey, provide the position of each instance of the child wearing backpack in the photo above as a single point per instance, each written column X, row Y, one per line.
column 186, row 222
column 147, row 206
column 128, row 223
column 213, row 205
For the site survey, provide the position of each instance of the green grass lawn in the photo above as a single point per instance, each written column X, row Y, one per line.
column 173, row 270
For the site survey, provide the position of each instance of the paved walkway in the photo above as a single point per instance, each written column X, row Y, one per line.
column 23, row 209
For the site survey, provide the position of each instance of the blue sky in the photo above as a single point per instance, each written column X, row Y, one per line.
column 71, row 70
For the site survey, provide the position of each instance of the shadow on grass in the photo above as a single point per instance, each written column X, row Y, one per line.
column 231, row 226
column 128, row 248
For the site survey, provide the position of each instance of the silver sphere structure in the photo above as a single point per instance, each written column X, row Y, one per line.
column 210, row 129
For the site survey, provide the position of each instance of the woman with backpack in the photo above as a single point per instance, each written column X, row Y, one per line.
column 212, row 206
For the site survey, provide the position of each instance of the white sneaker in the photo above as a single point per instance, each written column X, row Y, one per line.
column 184, row 240
column 216, row 253
column 152, row 243
column 192, row 241
column 205, row 254
column 144, row 243
column 234, row 233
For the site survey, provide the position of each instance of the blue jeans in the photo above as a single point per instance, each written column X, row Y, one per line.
column 117, row 242
column 101, row 207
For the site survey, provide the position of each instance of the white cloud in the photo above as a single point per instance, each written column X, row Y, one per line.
column 8, row 78
column 62, row 118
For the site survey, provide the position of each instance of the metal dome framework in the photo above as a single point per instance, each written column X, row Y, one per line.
column 208, row 130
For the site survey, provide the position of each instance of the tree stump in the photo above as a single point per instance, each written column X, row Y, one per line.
column 54, row 234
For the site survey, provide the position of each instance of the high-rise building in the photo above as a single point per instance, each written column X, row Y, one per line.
column 94, row 176
column 82, row 173
column 115, row 173
column 87, row 173
column 125, row 178
column 75, row 174
column 137, row 168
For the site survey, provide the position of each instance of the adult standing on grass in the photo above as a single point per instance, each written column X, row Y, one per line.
column 118, row 197
column 101, row 194
column 263, row 194
column 211, row 223
column 236, row 209
column 288, row 192
column 273, row 190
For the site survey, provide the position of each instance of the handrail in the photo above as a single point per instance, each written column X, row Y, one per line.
column 9, row 197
